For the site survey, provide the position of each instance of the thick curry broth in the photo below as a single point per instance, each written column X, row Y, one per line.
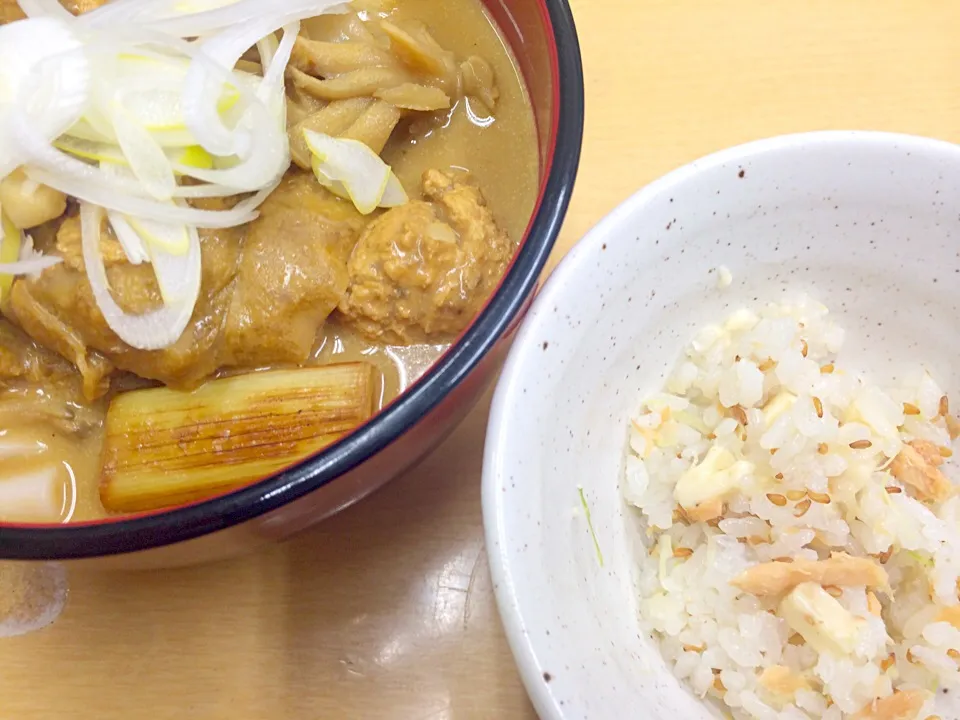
column 501, row 154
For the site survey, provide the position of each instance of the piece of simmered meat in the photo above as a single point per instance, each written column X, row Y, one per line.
column 59, row 311
column 39, row 385
column 265, row 291
column 45, row 325
column 22, row 360
column 10, row 11
column 292, row 274
column 423, row 270
column 79, row 7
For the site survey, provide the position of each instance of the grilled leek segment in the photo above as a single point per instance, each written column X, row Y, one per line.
column 164, row 447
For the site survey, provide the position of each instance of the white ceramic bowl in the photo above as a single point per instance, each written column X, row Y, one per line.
column 867, row 223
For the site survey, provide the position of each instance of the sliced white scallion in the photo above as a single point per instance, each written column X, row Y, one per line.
column 176, row 287
column 271, row 89
column 194, row 6
column 17, row 256
column 119, row 106
column 92, row 150
column 146, row 208
column 174, row 239
column 181, row 19
column 53, row 101
column 30, row 261
column 158, row 328
column 393, row 194
column 267, row 47
column 9, row 250
column 195, row 156
column 144, row 154
column 137, row 102
column 45, row 8
column 128, row 238
column 353, row 171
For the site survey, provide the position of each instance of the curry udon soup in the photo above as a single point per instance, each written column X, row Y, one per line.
column 410, row 170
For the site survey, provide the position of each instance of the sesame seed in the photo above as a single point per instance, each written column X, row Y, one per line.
column 910, row 409
column 861, row 444
column 777, row 499
column 818, row 406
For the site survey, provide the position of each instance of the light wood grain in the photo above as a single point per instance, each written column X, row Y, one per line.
column 386, row 611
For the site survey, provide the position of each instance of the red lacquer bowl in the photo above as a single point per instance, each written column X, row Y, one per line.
column 544, row 40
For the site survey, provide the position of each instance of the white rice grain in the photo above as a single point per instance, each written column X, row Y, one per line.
column 812, row 446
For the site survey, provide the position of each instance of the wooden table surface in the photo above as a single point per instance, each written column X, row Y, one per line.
column 387, row 610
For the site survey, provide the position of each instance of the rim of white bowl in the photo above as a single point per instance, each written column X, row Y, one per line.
column 499, row 431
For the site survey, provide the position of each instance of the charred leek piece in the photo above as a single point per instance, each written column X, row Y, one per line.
column 165, row 447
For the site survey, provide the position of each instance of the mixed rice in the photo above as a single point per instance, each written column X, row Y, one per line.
column 802, row 523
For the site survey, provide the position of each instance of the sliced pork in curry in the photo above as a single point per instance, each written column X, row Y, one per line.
column 59, row 311
column 292, row 274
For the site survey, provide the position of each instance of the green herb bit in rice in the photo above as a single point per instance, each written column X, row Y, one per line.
column 804, row 524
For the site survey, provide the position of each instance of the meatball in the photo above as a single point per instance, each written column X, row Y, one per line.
column 422, row 271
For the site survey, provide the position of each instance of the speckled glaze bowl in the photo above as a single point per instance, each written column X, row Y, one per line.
column 865, row 222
